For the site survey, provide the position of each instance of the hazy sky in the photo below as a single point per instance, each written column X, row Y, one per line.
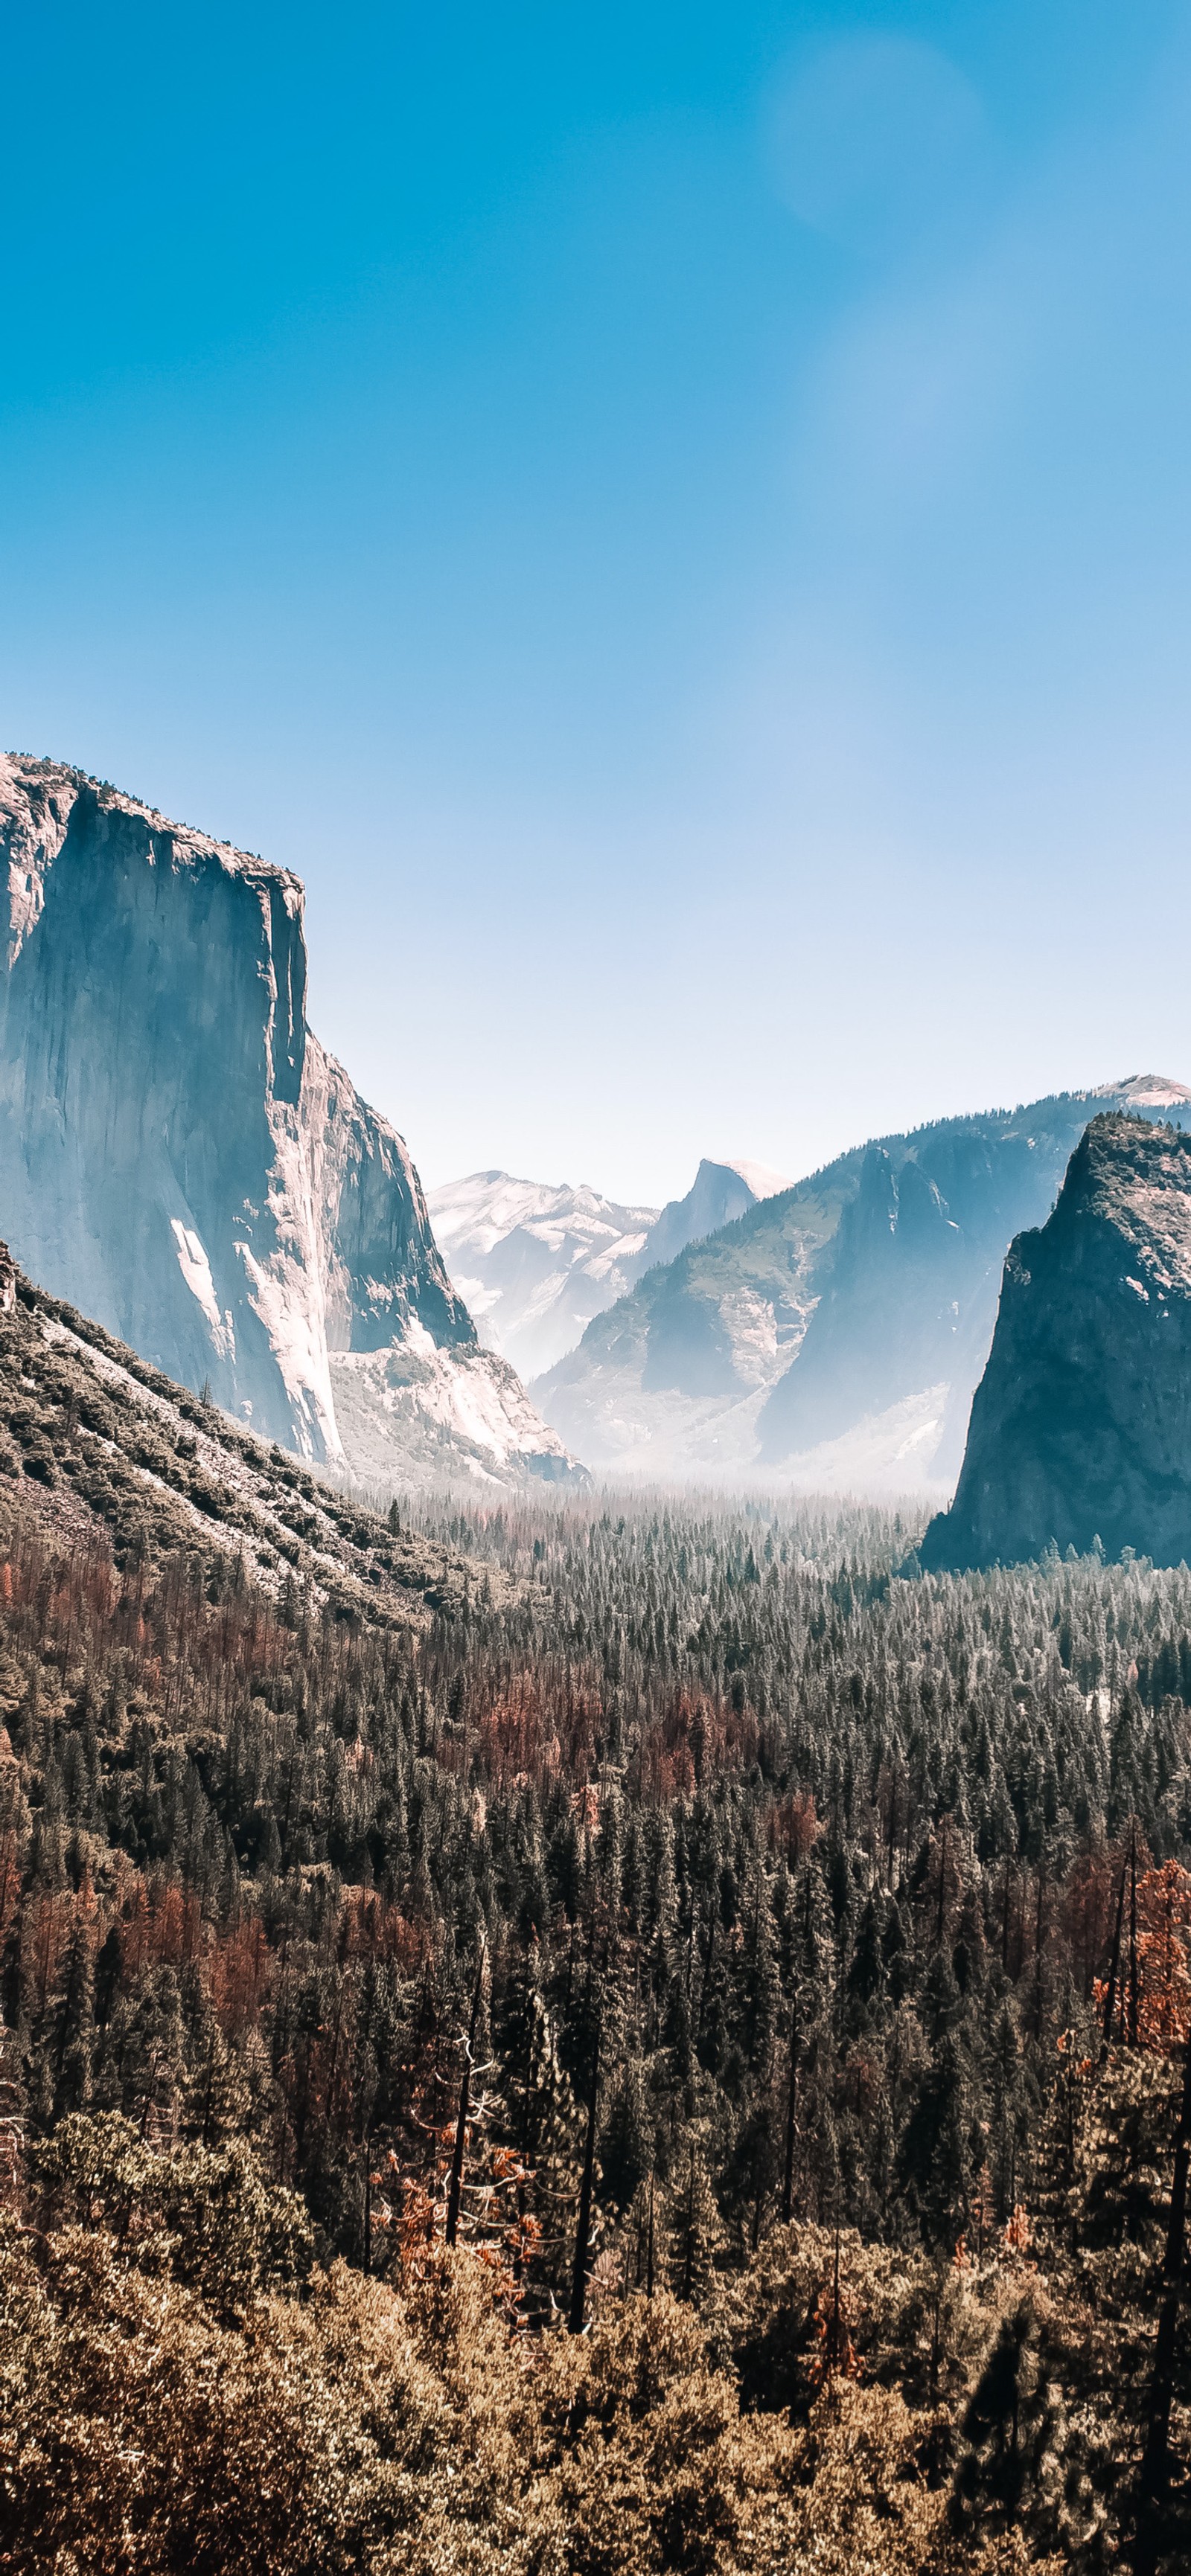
column 675, row 519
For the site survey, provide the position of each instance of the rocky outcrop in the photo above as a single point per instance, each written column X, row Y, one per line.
column 1081, row 1424
column 831, row 1337
column 719, row 1193
column 178, row 1154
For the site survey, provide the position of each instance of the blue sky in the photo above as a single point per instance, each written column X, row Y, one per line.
column 675, row 520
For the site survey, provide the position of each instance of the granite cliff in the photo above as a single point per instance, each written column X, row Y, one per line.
column 182, row 1159
column 1081, row 1423
column 831, row 1336
column 719, row 1193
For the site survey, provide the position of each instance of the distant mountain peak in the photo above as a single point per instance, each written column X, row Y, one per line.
column 830, row 1336
column 720, row 1192
column 757, row 1177
column 1144, row 1091
column 536, row 1261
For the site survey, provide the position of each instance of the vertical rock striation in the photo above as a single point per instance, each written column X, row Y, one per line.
column 178, row 1154
column 1081, row 1423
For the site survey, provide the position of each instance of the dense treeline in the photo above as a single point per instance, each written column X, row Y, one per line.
column 712, row 1921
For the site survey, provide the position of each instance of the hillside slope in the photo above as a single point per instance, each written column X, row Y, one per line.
column 95, row 1441
column 182, row 1159
column 1081, row 1423
column 833, row 1335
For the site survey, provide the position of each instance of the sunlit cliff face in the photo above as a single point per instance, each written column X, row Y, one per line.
column 178, row 1154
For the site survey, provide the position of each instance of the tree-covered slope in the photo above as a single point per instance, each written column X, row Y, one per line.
column 699, row 1932
column 98, row 1450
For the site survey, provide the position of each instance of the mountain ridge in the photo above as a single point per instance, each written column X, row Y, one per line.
column 537, row 1261
column 697, row 1370
column 183, row 1159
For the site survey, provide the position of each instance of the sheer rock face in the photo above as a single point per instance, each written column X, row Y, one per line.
column 1081, row 1424
column 178, row 1154
column 831, row 1338
column 719, row 1193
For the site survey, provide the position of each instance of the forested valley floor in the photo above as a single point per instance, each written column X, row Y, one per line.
column 672, row 2061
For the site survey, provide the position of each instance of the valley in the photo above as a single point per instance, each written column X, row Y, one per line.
column 588, row 1983
column 595, row 1292
column 690, row 1926
column 536, row 1264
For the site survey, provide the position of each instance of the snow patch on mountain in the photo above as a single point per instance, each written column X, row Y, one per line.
column 535, row 1260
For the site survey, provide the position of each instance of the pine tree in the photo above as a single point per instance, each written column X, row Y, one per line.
column 1008, row 2120
column 65, row 2036
column 934, row 2160
column 1016, row 2468
column 695, row 2231
column 626, row 2148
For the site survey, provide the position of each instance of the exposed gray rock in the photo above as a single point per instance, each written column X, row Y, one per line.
column 1081, row 1424
column 832, row 1335
column 178, row 1154
column 719, row 1193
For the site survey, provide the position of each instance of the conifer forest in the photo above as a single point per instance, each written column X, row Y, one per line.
column 674, row 2059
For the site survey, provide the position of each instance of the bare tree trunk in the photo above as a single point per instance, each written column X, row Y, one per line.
column 1039, row 1926
column 688, row 2258
column 1114, row 1966
column 455, row 2192
column 583, row 2231
column 791, row 2119
column 1155, row 2467
column 1133, row 1992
